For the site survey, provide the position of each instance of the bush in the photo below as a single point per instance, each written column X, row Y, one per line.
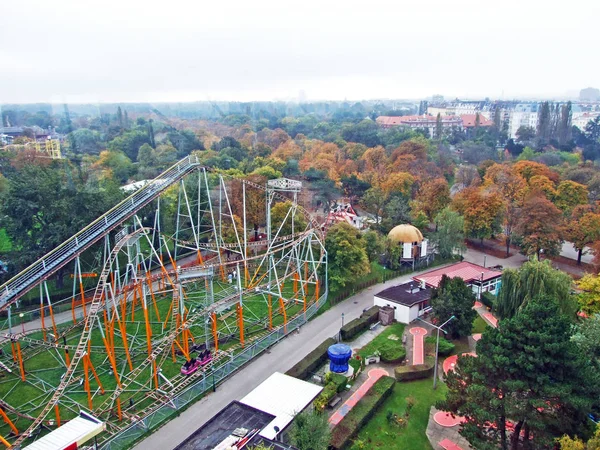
column 328, row 392
column 392, row 351
column 353, row 328
column 488, row 300
column 339, row 380
column 445, row 348
column 409, row 373
column 351, row 424
column 312, row 361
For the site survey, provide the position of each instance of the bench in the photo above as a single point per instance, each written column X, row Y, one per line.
column 334, row 401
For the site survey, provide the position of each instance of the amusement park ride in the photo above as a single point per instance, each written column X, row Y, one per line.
column 183, row 282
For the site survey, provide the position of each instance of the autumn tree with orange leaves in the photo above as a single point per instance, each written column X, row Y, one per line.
column 482, row 211
column 539, row 226
column 431, row 198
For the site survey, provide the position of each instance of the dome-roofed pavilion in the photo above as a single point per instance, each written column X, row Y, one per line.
column 405, row 233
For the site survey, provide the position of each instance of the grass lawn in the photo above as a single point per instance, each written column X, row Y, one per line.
column 380, row 434
column 479, row 325
column 396, row 329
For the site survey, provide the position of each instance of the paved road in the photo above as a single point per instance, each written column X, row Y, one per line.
column 568, row 251
column 280, row 358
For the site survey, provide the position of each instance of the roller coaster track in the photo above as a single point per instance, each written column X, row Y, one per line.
column 40, row 270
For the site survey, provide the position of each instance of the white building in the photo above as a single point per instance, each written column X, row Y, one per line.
column 522, row 115
column 408, row 300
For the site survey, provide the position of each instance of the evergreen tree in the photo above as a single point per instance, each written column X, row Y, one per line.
column 120, row 116
column 126, row 119
column 565, row 124
column 528, row 372
column 438, row 127
column 497, row 118
column 544, row 125
column 151, row 134
column 454, row 298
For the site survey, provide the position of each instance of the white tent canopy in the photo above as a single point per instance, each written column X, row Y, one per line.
column 282, row 396
column 71, row 435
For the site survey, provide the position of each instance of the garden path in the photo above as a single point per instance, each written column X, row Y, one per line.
column 418, row 347
column 373, row 375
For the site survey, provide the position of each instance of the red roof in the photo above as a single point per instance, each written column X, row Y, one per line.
column 465, row 270
column 469, row 120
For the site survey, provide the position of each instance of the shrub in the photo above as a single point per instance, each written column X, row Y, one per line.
column 445, row 348
column 312, row 361
column 488, row 300
column 328, row 392
column 340, row 381
column 409, row 373
column 392, row 351
column 351, row 424
column 353, row 328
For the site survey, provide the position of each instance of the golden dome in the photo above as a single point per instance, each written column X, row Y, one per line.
column 405, row 233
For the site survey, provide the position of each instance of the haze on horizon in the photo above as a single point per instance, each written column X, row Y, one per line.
column 138, row 51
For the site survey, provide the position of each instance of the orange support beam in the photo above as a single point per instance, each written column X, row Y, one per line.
column 282, row 306
column 317, row 290
column 200, row 260
column 73, row 310
column 240, row 314
column 149, row 283
column 20, row 357
column 149, row 337
column 9, row 422
column 295, row 283
column 133, row 301
column 53, row 322
column 119, row 412
column 86, row 384
column 186, row 355
column 82, row 291
column 113, row 365
column 270, row 306
column 57, row 414
column 215, row 331
column 91, row 366
column 5, row 442
column 67, row 357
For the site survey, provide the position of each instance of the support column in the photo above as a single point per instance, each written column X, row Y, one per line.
column 283, row 313
column 240, row 314
column 215, row 332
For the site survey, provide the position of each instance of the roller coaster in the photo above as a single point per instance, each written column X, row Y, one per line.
column 183, row 279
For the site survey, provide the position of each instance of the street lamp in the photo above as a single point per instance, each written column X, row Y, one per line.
column 21, row 315
column 480, row 286
column 437, row 345
column 340, row 333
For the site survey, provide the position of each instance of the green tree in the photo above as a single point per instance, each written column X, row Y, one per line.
column 374, row 244
column 449, row 237
column 310, row 431
column 454, row 298
column 525, row 133
column 438, row 127
column 130, row 142
column 86, row 141
column 532, row 279
column 120, row 117
column 527, row 371
column 346, row 255
column 281, row 216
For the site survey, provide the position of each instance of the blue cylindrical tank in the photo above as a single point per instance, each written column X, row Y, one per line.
column 339, row 355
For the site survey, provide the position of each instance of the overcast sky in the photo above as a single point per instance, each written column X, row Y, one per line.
column 174, row 50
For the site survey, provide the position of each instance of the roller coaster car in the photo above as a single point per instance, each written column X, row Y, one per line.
column 194, row 364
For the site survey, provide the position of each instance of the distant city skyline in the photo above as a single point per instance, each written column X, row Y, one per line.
column 183, row 51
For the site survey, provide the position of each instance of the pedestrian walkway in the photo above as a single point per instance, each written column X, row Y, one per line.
column 485, row 314
column 418, row 348
column 374, row 375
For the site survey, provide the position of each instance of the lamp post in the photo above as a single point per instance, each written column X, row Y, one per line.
column 480, row 286
column 437, row 346
column 340, row 334
column 21, row 315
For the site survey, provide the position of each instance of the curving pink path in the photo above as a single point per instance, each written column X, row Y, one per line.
column 373, row 376
column 476, row 336
column 450, row 362
column 418, row 350
column 445, row 419
column 491, row 319
column 477, row 305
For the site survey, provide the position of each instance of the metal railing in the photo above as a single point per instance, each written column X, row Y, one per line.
column 61, row 255
column 134, row 432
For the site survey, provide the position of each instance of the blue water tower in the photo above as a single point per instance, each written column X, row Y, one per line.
column 339, row 355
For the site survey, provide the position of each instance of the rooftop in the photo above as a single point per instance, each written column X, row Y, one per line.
column 219, row 427
column 469, row 121
column 407, row 294
column 283, row 397
column 469, row 272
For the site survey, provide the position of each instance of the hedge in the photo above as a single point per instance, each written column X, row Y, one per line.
column 312, row 361
column 409, row 373
column 357, row 326
column 371, row 315
column 360, row 414
column 392, row 351
column 445, row 348
column 353, row 328
column 488, row 299
column 328, row 392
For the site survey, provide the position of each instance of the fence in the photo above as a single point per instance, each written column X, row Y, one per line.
column 127, row 437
